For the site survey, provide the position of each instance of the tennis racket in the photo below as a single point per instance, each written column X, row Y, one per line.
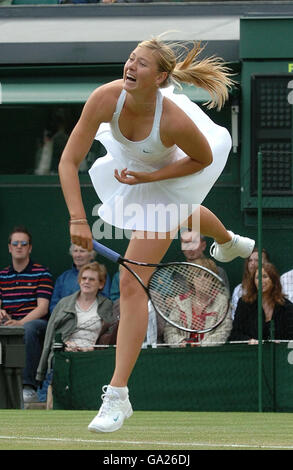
column 188, row 296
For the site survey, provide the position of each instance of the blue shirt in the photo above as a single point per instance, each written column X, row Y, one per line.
column 66, row 284
column 115, row 287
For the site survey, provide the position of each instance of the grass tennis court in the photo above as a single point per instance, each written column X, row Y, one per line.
column 67, row 430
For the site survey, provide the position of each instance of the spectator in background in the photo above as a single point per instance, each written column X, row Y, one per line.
column 250, row 265
column 82, row 318
column 67, row 282
column 219, row 335
column 52, row 145
column 105, row 1
column 277, row 311
column 25, row 291
column 287, row 284
column 151, row 337
column 193, row 245
column 115, row 294
column 126, row 1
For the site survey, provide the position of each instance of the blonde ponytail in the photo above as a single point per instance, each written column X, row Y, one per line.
column 211, row 73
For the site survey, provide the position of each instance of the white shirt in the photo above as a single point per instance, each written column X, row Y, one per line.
column 88, row 327
column 237, row 293
column 152, row 331
column 287, row 284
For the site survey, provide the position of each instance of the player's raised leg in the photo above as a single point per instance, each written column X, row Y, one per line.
column 227, row 245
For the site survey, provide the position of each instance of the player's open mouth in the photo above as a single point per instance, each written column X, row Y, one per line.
column 130, row 78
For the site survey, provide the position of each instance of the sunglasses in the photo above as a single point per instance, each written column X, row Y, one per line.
column 21, row 243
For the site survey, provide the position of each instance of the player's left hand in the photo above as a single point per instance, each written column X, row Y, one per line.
column 132, row 177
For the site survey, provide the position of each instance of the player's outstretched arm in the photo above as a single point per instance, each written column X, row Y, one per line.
column 99, row 108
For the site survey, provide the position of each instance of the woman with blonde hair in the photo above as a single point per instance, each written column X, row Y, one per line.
column 83, row 319
column 164, row 156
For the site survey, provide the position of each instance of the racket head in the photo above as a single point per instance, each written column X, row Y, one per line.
column 189, row 296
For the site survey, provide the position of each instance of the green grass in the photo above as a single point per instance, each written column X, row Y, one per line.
column 67, row 430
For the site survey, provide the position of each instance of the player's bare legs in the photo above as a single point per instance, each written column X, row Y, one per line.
column 210, row 225
column 133, row 301
column 133, row 305
column 131, row 332
column 227, row 245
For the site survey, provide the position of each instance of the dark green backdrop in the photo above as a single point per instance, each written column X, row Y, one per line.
column 221, row 378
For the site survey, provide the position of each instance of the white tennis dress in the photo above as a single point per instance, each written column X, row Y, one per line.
column 163, row 205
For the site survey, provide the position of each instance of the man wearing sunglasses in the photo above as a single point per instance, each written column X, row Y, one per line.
column 25, row 291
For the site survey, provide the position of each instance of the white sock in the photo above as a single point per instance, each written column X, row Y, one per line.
column 122, row 391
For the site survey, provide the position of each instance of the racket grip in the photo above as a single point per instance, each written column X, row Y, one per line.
column 106, row 252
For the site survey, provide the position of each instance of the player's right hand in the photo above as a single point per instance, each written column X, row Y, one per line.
column 81, row 235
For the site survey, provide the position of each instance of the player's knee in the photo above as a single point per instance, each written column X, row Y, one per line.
column 129, row 287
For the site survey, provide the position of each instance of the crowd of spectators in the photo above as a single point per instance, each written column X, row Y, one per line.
column 64, row 2
column 83, row 305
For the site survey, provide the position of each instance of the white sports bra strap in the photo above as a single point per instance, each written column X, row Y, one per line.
column 158, row 113
column 120, row 102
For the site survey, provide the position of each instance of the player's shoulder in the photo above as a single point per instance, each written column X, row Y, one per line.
column 109, row 92
column 174, row 122
column 103, row 100
column 173, row 116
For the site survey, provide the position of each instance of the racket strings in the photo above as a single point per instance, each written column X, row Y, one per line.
column 188, row 296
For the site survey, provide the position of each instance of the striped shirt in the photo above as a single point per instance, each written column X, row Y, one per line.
column 19, row 291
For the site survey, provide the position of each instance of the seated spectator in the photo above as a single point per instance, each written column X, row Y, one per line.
column 219, row 335
column 53, row 143
column 152, row 331
column 125, row 1
column 277, row 311
column 25, row 291
column 82, row 319
column 250, row 264
column 287, row 284
column 193, row 245
column 67, row 282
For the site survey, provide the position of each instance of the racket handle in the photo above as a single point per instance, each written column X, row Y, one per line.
column 106, row 252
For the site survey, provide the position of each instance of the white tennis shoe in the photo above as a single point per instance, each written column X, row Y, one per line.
column 238, row 246
column 112, row 413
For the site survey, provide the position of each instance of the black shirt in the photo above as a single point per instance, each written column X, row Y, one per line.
column 245, row 324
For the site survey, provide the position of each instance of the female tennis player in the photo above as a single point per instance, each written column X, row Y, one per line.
column 163, row 152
